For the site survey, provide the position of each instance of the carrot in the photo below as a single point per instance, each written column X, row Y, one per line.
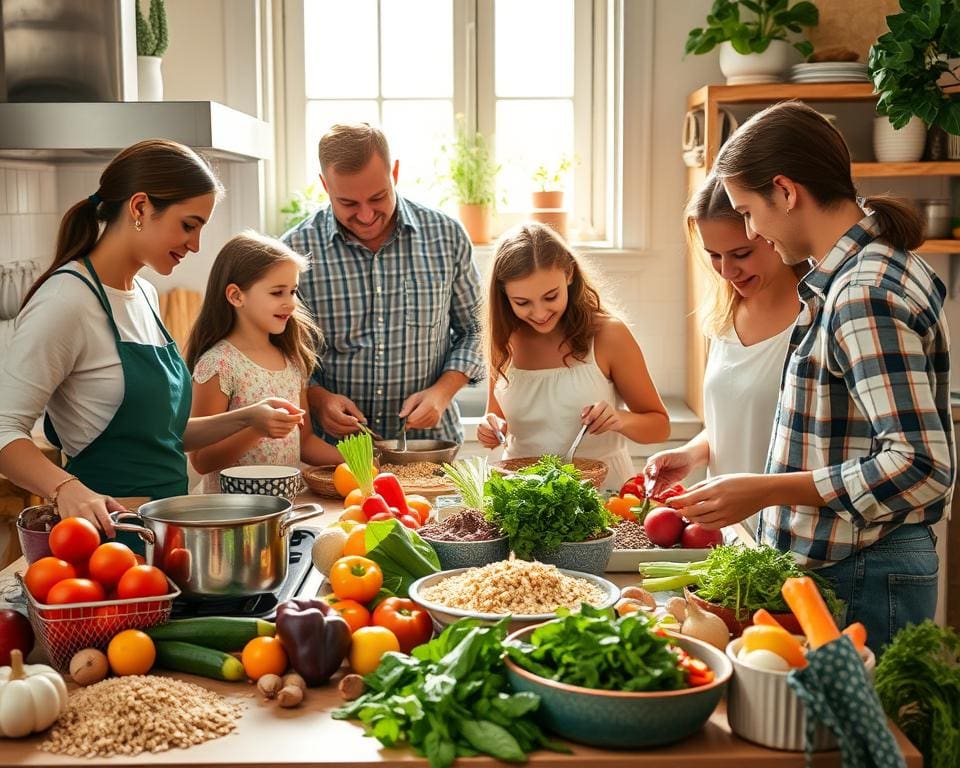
column 858, row 634
column 807, row 605
column 764, row 618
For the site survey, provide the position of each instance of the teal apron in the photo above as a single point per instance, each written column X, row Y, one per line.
column 140, row 452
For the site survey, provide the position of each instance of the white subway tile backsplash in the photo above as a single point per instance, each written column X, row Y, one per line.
column 33, row 192
column 48, row 191
column 3, row 192
column 23, row 193
column 11, row 189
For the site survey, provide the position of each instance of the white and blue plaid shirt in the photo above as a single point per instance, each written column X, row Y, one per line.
column 394, row 320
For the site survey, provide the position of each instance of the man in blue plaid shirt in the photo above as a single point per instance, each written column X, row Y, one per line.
column 396, row 292
column 861, row 460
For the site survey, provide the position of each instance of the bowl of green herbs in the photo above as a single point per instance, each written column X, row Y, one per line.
column 613, row 681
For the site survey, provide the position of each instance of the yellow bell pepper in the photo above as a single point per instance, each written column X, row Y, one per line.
column 776, row 640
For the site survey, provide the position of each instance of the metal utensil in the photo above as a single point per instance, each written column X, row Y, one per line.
column 500, row 437
column 568, row 456
column 402, row 446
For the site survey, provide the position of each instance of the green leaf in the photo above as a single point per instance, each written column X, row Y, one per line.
column 401, row 554
column 493, row 739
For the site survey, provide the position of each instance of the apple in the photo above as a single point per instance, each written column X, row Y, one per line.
column 695, row 536
column 663, row 526
column 15, row 634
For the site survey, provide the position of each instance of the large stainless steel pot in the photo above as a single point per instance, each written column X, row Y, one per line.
column 221, row 544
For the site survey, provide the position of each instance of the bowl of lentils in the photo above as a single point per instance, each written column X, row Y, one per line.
column 464, row 538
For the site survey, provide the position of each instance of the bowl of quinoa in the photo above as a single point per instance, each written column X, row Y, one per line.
column 528, row 591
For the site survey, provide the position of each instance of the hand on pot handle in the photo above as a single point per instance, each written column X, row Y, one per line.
column 74, row 499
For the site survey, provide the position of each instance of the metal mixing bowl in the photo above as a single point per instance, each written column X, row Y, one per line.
column 436, row 451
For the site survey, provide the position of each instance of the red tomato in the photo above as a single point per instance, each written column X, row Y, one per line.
column 75, row 591
column 410, row 521
column 109, row 562
column 42, row 574
column 108, row 620
column 74, row 539
column 411, row 624
column 142, row 581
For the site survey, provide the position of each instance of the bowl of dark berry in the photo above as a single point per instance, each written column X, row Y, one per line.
column 465, row 539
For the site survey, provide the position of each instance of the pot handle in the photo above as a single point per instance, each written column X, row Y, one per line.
column 144, row 533
column 312, row 510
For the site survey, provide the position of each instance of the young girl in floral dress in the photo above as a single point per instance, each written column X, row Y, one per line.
column 253, row 336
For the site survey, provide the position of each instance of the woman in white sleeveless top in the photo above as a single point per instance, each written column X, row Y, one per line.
column 559, row 360
column 748, row 316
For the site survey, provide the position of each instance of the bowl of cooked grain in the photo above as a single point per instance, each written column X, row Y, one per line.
column 529, row 592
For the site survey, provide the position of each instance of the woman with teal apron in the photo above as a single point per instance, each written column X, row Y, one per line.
column 153, row 200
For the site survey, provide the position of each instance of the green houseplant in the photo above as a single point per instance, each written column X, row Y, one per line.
column 547, row 198
column 753, row 36
column 913, row 64
column 302, row 204
column 152, row 41
column 470, row 170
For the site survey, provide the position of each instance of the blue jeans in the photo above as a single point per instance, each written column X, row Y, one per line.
column 890, row 584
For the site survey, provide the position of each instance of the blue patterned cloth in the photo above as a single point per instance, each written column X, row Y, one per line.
column 835, row 691
column 393, row 320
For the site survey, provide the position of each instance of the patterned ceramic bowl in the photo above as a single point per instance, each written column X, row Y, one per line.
column 621, row 719
column 470, row 554
column 262, row 480
column 587, row 556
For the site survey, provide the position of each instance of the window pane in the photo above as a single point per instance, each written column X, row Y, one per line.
column 534, row 47
column 340, row 49
column 530, row 133
column 415, row 129
column 322, row 114
column 417, row 48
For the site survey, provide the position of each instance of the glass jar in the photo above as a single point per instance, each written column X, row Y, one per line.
column 936, row 214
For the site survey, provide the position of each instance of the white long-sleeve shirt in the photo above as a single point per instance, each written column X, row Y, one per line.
column 63, row 357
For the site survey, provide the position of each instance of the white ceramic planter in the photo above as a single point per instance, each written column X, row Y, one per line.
column 766, row 67
column 149, row 78
column 903, row 146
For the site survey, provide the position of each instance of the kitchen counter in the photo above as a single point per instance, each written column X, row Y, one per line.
column 270, row 736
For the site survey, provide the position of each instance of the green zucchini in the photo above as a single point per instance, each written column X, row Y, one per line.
column 197, row 660
column 221, row 632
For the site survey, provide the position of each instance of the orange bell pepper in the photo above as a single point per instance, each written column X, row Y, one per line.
column 621, row 506
column 807, row 605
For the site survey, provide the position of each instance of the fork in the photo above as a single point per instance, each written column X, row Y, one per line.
column 568, row 456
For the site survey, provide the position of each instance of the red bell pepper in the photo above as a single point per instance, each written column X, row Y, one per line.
column 374, row 505
column 387, row 485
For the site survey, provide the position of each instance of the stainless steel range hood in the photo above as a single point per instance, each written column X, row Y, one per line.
column 76, row 131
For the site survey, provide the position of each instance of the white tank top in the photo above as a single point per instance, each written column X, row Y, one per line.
column 542, row 408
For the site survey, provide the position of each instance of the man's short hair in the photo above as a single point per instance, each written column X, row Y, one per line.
column 348, row 147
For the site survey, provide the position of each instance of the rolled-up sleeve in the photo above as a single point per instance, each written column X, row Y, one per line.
column 883, row 349
column 465, row 354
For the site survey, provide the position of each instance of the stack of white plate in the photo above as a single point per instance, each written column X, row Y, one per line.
column 830, row 72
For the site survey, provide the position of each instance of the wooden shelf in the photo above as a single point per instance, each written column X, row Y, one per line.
column 940, row 246
column 863, row 170
column 734, row 94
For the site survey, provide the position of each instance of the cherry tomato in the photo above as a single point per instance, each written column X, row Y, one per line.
column 142, row 581
column 411, row 624
column 368, row 644
column 75, row 591
column 353, row 613
column 109, row 562
column 410, row 521
column 42, row 574
column 356, row 578
column 74, row 539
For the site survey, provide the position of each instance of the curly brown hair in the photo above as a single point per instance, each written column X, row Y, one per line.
column 519, row 253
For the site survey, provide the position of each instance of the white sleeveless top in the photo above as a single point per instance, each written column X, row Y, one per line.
column 741, row 389
column 542, row 409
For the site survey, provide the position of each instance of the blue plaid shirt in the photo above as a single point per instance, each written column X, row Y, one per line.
column 865, row 401
column 393, row 320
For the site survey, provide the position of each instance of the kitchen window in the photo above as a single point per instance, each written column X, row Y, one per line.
column 536, row 75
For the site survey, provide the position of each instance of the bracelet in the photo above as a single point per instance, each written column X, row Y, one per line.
column 58, row 486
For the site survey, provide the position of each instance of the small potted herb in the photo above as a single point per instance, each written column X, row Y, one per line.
column 152, row 41
column 552, row 515
column 471, row 171
column 755, row 48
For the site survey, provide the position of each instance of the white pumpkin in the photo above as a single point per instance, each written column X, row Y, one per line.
column 32, row 697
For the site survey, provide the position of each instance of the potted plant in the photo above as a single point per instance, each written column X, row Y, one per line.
column 916, row 73
column 152, row 42
column 303, row 204
column 755, row 49
column 471, row 172
column 549, row 182
column 551, row 514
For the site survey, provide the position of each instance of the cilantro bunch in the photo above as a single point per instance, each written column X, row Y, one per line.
column 544, row 505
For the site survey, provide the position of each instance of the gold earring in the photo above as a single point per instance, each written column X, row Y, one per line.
column 138, row 225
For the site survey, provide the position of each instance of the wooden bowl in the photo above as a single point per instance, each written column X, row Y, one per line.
column 590, row 469
column 320, row 481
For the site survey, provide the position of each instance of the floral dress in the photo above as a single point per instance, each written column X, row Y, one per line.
column 246, row 383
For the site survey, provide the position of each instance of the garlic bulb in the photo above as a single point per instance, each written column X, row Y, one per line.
column 32, row 697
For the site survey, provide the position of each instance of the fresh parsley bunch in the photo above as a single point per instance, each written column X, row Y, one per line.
column 544, row 505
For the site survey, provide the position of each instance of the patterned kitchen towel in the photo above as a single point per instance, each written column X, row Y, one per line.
column 835, row 690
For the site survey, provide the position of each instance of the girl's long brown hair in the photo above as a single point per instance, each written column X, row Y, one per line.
column 242, row 261
column 166, row 171
column 793, row 139
column 520, row 253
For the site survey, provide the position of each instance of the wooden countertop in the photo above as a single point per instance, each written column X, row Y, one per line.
column 268, row 736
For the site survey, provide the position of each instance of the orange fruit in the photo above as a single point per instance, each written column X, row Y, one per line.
column 354, row 497
column 343, row 479
column 131, row 652
column 368, row 644
column 421, row 506
column 354, row 513
column 264, row 656
column 356, row 541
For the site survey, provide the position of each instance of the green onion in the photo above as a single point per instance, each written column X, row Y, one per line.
column 468, row 477
column 357, row 452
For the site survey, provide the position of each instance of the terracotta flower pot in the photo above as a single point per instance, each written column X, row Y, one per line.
column 476, row 220
column 736, row 623
column 556, row 220
column 548, row 199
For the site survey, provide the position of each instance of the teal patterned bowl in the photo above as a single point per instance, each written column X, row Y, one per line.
column 469, row 554
column 625, row 720
column 585, row 556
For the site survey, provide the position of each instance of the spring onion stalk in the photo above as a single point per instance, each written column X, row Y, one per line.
column 468, row 477
column 357, row 452
column 661, row 576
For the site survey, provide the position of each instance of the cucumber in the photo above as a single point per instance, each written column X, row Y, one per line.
column 197, row 660
column 220, row 632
